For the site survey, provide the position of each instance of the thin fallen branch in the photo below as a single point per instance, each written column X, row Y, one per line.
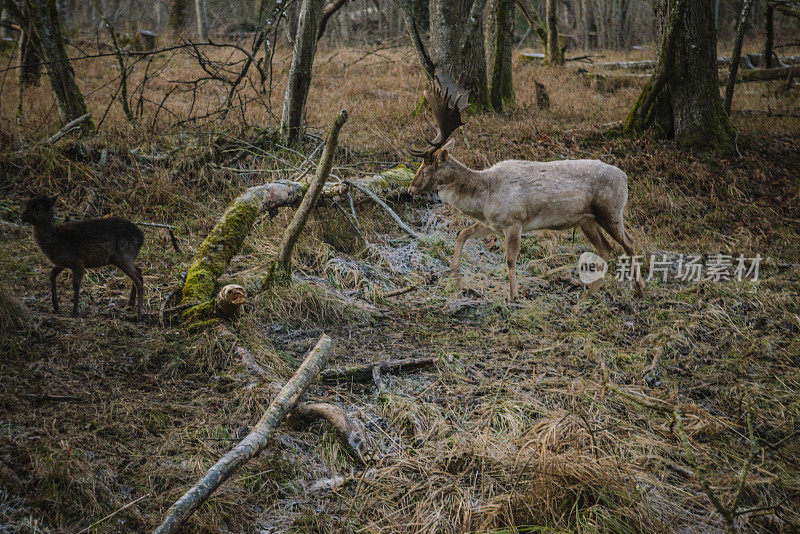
column 364, row 372
column 401, row 291
column 112, row 514
column 255, row 442
column 728, row 513
column 407, row 229
column 170, row 229
column 69, row 127
column 281, row 269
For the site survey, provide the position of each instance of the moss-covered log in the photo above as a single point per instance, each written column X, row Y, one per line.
column 228, row 235
column 226, row 240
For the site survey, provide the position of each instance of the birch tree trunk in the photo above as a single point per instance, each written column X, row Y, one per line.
column 201, row 14
column 59, row 69
column 682, row 99
column 736, row 54
column 305, row 48
column 254, row 442
column 499, row 43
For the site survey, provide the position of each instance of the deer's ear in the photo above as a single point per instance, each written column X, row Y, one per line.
column 441, row 156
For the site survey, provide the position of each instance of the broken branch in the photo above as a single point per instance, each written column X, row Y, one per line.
column 255, row 441
column 363, row 373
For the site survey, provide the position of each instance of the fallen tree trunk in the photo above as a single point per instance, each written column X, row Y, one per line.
column 228, row 235
column 751, row 59
column 764, row 75
column 255, row 441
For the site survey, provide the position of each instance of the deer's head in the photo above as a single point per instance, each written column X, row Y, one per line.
column 447, row 100
column 40, row 209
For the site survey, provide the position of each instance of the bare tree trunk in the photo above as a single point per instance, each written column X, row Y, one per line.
column 178, row 15
column 30, row 71
column 59, row 69
column 500, row 34
column 457, row 44
column 553, row 53
column 682, row 98
column 329, row 11
column 769, row 39
column 736, row 54
column 414, row 28
column 201, row 14
column 305, row 48
column 292, row 12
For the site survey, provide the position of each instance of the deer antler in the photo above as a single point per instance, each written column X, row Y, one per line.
column 447, row 101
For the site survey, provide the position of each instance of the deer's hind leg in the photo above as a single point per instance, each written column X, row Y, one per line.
column 513, row 235
column 137, row 290
column 616, row 229
column 77, row 278
column 592, row 232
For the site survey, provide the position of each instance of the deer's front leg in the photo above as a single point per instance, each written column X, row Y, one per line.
column 475, row 230
column 513, row 235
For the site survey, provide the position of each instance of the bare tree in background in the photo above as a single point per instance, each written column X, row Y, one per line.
column 59, row 69
column 305, row 48
column 178, row 15
column 769, row 39
column 30, row 68
column 499, row 44
column 457, row 44
column 682, row 98
column 554, row 54
column 201, row 15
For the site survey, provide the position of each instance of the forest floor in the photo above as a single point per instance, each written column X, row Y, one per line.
column 105, row 422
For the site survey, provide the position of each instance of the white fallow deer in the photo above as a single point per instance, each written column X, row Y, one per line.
column 514, row 197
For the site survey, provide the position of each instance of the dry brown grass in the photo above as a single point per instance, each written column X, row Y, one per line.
column 511, row 431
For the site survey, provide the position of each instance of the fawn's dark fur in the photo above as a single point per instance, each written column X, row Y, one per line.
column 85, row 245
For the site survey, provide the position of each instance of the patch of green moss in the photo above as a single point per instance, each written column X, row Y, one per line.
column 215, row 253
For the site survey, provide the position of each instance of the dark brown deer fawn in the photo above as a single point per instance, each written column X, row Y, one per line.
column 516, row 196
column 85, row 245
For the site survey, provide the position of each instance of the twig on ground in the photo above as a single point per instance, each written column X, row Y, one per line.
column 401, row 291
column 728, row 513
column 170, row 229
column 112, row 514
column 69, row 127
